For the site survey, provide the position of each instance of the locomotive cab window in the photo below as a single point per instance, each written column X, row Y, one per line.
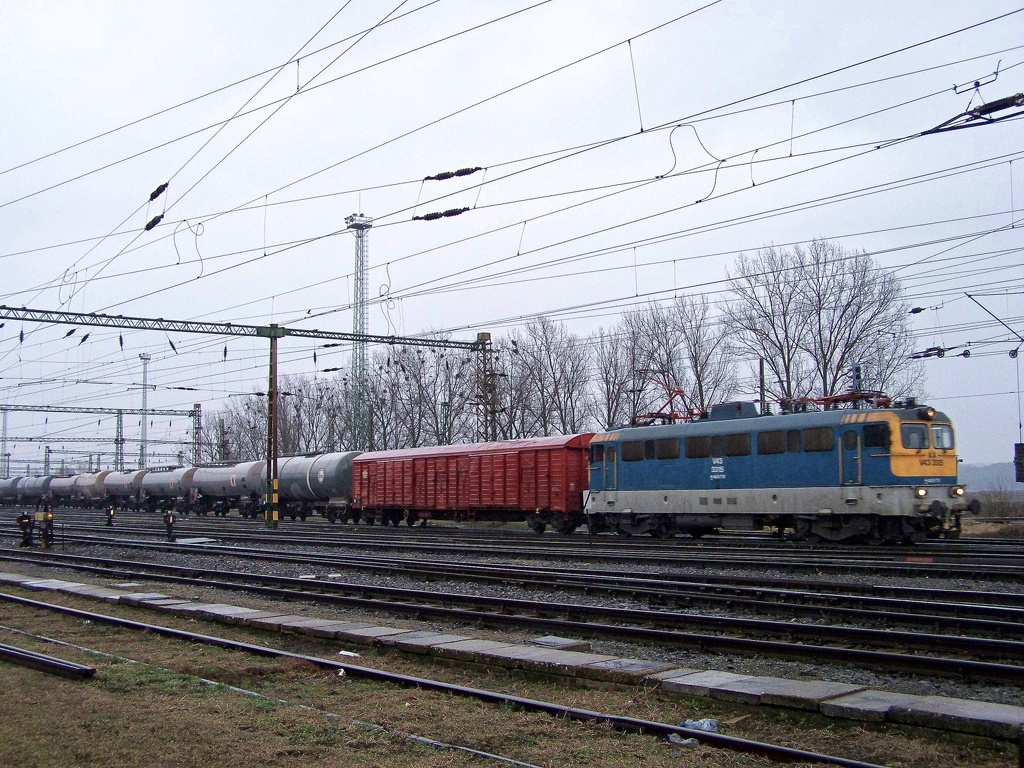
column 942, row 437
column 850, row 439
column 596, row 453
column 698, row 447
column 818, row 439
column 876, row 435
column 914, row 436
column 667, row 448
column 771, row 442
column 633, row 450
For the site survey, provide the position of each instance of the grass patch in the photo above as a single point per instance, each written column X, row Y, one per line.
column 137, row 716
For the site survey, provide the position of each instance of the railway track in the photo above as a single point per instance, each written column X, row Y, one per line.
column 976, row 566
column 991, row 614
column 968, row 657
column 778, row 752
column 724, row 541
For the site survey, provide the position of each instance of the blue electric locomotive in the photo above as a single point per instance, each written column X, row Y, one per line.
column 871, row 474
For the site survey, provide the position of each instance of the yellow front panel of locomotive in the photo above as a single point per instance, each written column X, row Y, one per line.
column 917, row 462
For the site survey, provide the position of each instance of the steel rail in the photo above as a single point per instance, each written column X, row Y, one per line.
column 316, row 530
column 630, row 724
column 999, row 620
column 911, row 565
column 595, row 621
column 44, row 663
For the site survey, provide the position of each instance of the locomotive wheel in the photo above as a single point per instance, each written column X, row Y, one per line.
column 885, row 530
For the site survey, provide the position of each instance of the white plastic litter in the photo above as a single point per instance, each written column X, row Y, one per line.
column 707, row 724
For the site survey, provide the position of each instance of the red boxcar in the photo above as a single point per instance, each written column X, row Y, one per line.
column 540, row 480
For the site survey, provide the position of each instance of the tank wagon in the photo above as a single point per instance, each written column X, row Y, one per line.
column 541, row 481
column 31, row 489
column 9, row 489
column 88, row 490
column 63, row 490
column 123, row 490
column 167, row 489
column 321, row 483
column 220, row 489
column 852, row 474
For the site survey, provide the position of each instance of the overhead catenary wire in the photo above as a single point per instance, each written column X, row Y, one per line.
column 347, row 192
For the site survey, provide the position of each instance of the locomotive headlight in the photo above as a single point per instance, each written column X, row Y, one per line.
column 921, row 492
column 956, row 490
column 926, row 414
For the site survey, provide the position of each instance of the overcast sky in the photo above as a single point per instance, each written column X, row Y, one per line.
column 591, row 200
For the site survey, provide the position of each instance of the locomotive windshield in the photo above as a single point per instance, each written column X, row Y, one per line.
column 942, row 437
column 914, row 435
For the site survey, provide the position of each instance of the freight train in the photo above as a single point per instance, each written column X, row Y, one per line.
column 863, row 474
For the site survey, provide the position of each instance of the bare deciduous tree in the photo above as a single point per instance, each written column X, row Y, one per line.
column 812, row 313
column 767, row 319
column 613, row 375
column 705, row 351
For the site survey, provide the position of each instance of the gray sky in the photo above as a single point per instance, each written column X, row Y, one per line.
column 777, row 149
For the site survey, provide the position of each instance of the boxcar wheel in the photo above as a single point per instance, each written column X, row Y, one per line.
column 537, row 525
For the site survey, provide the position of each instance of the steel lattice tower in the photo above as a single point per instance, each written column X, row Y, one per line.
column 145, row 358
column 360, row 422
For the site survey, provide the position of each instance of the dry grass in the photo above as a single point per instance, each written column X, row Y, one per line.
column 161, row 715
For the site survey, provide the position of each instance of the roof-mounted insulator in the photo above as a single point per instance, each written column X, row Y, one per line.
column 998, row 104
column 156, row 220
column 452, row 174
column 158, row 191
column 440, row 214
